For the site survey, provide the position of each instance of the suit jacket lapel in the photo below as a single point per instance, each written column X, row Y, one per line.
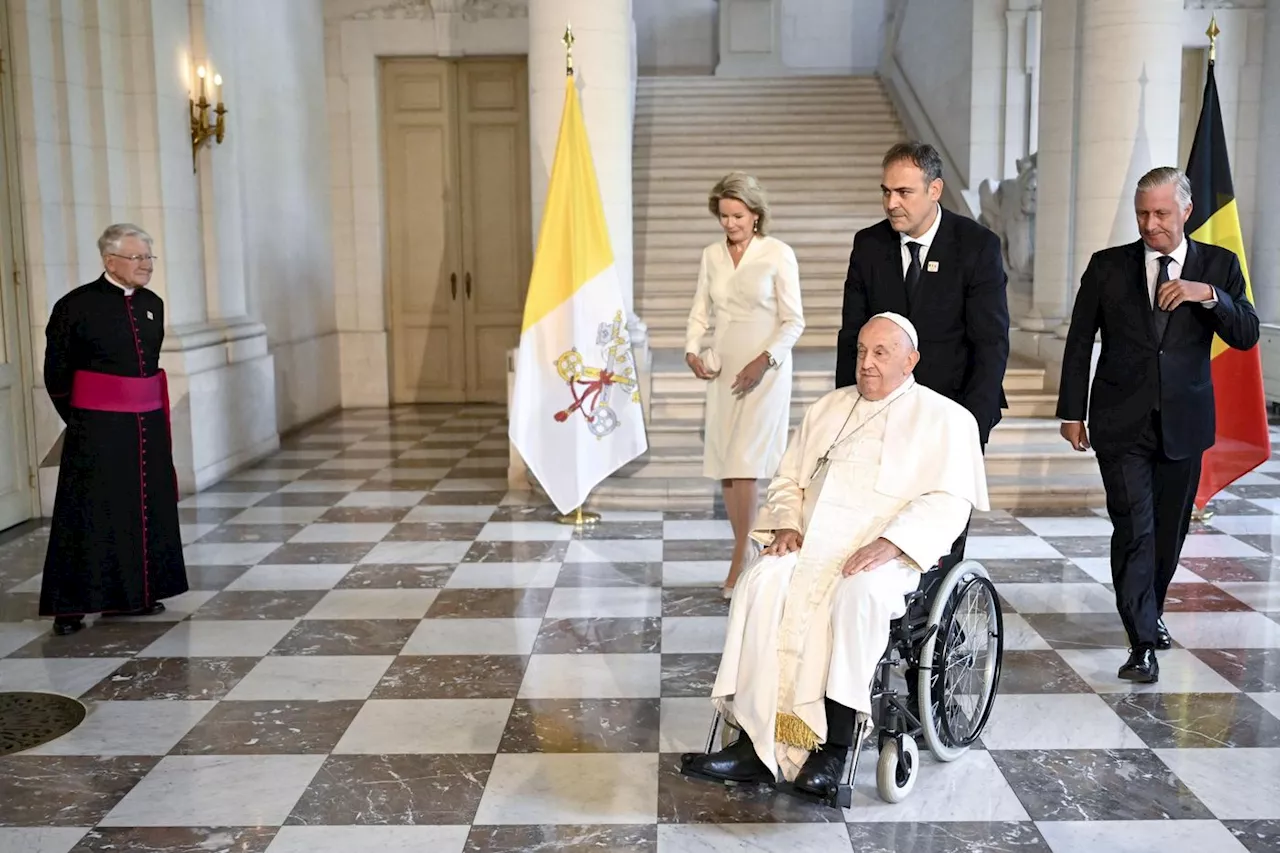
column 891, row 271
column 1135, row 274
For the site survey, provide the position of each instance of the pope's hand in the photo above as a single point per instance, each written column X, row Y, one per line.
column 784, row 542
column 871, row 556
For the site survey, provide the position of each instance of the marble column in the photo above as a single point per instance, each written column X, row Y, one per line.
column 1264, row 265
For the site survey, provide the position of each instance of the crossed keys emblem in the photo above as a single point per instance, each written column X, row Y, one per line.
column 592, row 387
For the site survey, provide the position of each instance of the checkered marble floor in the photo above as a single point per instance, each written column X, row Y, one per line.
column 383, row 650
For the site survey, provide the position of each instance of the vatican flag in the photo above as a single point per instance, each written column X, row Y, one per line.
column 575, row 409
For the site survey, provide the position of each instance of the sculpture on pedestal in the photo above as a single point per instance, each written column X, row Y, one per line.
column 1010, row 211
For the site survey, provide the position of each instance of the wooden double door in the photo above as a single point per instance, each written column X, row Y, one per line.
column 456, row 158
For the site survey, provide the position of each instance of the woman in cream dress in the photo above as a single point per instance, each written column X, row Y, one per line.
column 749, row 296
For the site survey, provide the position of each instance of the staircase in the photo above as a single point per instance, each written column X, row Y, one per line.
column 815, row 144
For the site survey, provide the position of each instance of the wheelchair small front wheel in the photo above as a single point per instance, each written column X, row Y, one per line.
column 897, row 769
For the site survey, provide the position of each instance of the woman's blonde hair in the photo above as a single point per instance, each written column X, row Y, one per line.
column 742, row 187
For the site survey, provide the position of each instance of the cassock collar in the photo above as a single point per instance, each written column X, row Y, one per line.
column 128, row 291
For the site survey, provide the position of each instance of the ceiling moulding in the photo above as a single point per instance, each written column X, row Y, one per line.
column 1210, row 5
column 399, row 10
column 471, row 10
column 475, row 10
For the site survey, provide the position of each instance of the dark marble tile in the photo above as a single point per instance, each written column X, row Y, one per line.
column 452, row 677
column 39, row 790
column 694, row 601
column 1080, row 546
column 564, row 838
column 599, row 636
column 610, row 574
column 1005, row 525
column 206, row 514
column 1261, row 490
column 396, row 576
column 1257, row 836
column 1115, row 784
column 516, row 552
column 697, row 549
column 489, row 603
column 435, row 531
column 582, row 725
column 1229, row 506
column 1053, row 512
column 269, row 728
column 711, row 513
column 451, row 498
column 297, row 554
column 540, row 512
column 950, row 837
column 399, row 481
column 335, row 474
column 213, row 577
column 394, row 790
column 685, row 800
column 241, row 487
column 621, row 530
column 1226, row 569
column 364, row 515
column 1196, row 720
column 302, row 499
column 346, row 637
column 1035, row 571
column 170, row 839
column 260, row 604
column 489, row 453
column 1039, row 672
column 252, row 533
column 377, row 459
column 689, row 674
column 20, row 606
column 1201, row 597
column 172, row 679
column 104, row 638
column 1079, row 630
column 1251, row 670
column 1265, row 544
column 277, row 463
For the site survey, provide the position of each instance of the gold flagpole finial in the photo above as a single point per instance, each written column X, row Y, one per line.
column 567, row 41
column 1213, row 33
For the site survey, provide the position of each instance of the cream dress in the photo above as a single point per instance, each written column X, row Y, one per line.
column 752, row 308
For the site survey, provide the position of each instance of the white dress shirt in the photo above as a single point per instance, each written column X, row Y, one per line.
column 1152, row 265
column 925, row 240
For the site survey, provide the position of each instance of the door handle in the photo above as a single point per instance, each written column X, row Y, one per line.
column 453, row 284
column 468, row 285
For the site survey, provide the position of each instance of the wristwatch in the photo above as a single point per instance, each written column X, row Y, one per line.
column 773, row 362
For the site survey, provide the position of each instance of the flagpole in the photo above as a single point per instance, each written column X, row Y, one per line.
column 577, row 518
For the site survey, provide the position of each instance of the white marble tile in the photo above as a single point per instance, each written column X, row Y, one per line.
column 1235, row 784
column 971, row 788
column 1139, row 836
column 1259, row 596
column 1247, row 525
column 390, row 474
column 460, row 514
column 629, row 515
column 384, row 839
column 1059, row 597
column 1020, row 636
column 1180, row 672
column 343, row 532
column 279, row 515
column 15, row 635
column 189, row 533
column 382, row 499
column 304, row 454
column 606, row 676
column 32, row 585
column 21, row 839
column 443, row 453
column 539, row 788
column 318, row 677
column 525, row 531
column 715, row 529
column 1036, row 721
column 348, row 464
column 420, row 726
column 128, row 728
column 694, row 572
column 219, row 639
column 378, row 444
column 1010, row 548
column 615, row 551
column 464, row 484
column 266, row 475
column 374, row 604
column 65, row 676
column 1209, row 545
column 1270, row 701
column 317, row 576
column 228, row 553
column 473, row 637
column 1067, row 526
column 217, row 790
column 756, row 837
column 223, row 500
column 1099, row 568
column 684, row 724
column 1223, row 630
column 313, row 486
column 417, row 552
column 176, row 608
column 1271, row 505
column 693, row 634
column 588, row 602
column 503, row 575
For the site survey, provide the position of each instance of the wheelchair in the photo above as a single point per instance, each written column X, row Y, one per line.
column 950, row 643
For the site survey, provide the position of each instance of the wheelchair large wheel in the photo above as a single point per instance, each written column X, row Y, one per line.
column 960, row 661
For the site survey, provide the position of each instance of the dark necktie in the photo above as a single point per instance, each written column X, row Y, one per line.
column 1161, row 316
column 912, row 279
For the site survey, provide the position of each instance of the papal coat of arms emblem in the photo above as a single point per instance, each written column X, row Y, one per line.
column 593, row 387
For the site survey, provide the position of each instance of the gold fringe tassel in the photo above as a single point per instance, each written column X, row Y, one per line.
column 791, row 730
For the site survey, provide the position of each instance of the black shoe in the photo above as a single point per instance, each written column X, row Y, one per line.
column 821, row 773
column 1141, row 667
column 64, row 625
column 737, row 762
column 154, row 609
column 1163, row 641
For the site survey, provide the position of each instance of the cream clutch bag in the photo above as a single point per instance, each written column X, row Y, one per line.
column 710, row 360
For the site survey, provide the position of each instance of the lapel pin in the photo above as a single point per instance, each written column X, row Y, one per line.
column 932, row 266
column 150, row 316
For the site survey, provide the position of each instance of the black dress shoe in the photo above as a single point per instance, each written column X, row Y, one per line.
column 821, row 773
column 64, row 625
column 158, row 607
column 1163, row 641
column 1141, row 667
column 737, row 762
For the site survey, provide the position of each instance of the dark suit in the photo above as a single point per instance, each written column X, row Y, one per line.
column 962, row 318
column 1150, row 409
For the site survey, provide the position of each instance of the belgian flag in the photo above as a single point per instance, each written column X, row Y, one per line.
column 1242, row 442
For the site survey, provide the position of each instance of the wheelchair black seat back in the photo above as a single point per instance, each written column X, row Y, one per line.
column 949, row 646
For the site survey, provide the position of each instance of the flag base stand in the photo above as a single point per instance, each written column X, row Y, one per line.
column 1201, row 515
column 579, row 518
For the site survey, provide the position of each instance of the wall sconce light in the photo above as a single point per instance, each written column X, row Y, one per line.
column 202, row 127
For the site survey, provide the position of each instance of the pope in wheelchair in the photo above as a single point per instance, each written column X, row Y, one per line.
column 877, row 485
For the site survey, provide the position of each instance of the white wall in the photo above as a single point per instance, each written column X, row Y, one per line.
column 676, row 36
column 832, row 36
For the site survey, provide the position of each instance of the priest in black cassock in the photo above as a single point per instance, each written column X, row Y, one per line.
column 115, row 547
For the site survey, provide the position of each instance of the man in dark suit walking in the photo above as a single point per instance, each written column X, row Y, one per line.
column 945, row 273
column 1158, row 302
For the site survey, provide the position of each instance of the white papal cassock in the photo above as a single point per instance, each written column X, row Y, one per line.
column 907, row 468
